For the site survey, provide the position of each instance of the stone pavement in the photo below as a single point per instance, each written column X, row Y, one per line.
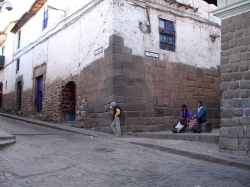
column 194, row 149
column 49, row 157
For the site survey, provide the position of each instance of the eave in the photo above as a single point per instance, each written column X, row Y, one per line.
column 37, row 5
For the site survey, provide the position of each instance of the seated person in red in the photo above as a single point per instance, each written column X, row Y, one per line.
column 184, row 117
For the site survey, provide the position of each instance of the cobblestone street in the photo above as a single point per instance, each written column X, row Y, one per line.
column 51, row 158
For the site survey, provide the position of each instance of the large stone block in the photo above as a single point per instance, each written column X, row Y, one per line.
column 224, row 60
column 113, row 65
column 244, row 66
column 226, row 37
column 245, row 84
column 247, row 112
column 244, row 93
column 245, row 56
column 226, row 103
column 228, row 143
column 224, row 86
column 246, row 75
column 246, row 103
column 226, row 113
column 234, row 58
column 237, row 111
column 237, row 76
column 226, row 68
column 238, row 103
column 225, row 77
column 116, row 40
column 245, row 120
column 233, row 85
column 244, row 144
column 228, row 94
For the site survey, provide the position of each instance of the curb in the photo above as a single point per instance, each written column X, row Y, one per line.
column 57, row 127
column 196, row 155
column 6, row 143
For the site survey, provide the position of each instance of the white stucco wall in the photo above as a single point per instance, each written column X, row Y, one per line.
column 68, row 43
column 65, row 45
column 6, row 74
column 193, row 43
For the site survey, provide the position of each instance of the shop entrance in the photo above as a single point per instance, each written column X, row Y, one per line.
column 69, row 100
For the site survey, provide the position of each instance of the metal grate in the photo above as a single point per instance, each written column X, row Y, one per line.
column 167, row 42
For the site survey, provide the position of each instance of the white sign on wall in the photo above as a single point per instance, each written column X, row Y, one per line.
column 151, row 54
column 98, row 51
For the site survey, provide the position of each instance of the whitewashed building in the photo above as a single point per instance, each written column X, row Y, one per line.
column 71, row 59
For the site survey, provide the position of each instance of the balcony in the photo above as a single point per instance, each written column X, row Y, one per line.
column 2, row 59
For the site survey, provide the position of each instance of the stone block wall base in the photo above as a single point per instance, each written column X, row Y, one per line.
column 235, row 138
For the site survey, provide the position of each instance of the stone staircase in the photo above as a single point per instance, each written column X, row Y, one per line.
column 212, row 137
column 6, row 140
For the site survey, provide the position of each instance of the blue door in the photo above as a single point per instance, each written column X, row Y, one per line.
column 39, row 93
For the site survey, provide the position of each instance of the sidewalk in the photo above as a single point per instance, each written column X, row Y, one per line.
column 157, row 140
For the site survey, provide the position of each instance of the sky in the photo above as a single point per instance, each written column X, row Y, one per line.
column 19, row 8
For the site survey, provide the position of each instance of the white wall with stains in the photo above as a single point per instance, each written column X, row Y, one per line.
column 193, row 43
column 68, row 43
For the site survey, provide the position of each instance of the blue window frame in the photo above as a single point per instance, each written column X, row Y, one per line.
column 167, row 35
column 45, row 18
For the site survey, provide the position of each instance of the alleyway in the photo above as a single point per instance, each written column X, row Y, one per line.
column 50, row 158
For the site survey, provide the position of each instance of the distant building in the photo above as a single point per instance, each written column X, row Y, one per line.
column 70, row 61
column 235, row 75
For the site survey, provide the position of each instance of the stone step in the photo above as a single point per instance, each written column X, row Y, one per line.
column 4, row 143
column 212, row 137
column 7, row 137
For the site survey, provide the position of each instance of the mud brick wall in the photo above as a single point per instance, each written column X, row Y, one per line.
column 149, row 91
column 8, row 105
column 235, row 84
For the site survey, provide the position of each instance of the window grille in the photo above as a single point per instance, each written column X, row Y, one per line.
column 167, row 35
column 45, row 18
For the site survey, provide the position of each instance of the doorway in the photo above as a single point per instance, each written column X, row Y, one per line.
column 39, row 93
column 69, row 100
column 19, row 95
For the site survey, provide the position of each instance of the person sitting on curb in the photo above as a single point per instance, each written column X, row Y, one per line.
column 116, row 112
column 200, row 115
column 184, row 117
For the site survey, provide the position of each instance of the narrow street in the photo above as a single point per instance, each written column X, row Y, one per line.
column 51, row 158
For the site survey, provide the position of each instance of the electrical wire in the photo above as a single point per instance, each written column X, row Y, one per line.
column 44, row 37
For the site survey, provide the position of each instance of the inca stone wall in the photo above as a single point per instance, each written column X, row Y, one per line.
column 149, row 91
column 235, row 84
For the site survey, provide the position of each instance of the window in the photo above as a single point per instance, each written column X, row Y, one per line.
column 45, row 18
column 3, row 48
column 167, row 35
column 17, row 65
column 171, row 1
column 18, row 39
